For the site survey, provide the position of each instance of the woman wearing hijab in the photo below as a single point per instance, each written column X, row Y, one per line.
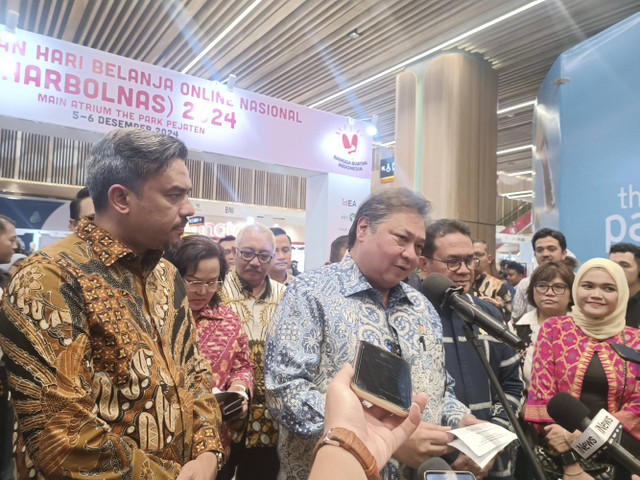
column 221, row 337
column 573, row 354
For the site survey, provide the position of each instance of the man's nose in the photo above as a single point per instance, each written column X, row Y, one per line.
column 187, row 209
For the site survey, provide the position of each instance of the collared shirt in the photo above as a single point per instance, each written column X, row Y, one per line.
column 520, row 304
column 255, row 315
column 103, row 365
column 316, row 329
column 493, row 290
column 222, row 341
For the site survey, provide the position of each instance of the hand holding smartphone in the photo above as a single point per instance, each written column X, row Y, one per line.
column 382, row 378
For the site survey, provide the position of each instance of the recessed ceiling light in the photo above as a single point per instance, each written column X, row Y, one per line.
column 354, row 35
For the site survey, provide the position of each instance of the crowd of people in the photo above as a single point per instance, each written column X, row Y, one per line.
column 133, row 351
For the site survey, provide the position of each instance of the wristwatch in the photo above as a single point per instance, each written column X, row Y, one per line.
column 341, row 437
column 220, row 458
column 568, row 458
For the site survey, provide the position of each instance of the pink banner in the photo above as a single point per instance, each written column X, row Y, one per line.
column 48, row 80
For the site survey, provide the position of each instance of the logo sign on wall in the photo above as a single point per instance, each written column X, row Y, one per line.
column 387, row 169
column 75, row 86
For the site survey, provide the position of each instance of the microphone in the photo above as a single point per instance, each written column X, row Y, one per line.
column 440, row 290
column 433, row 464
column 571, row 414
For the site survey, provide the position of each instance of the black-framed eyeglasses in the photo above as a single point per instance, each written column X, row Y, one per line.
column 454, row 264
column 198, row 284
column 557, row 288
column 248, row 255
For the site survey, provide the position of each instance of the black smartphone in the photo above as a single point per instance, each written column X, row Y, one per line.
column 626, row 353
column 382, row 378
column 230, row 404
column 448, row 475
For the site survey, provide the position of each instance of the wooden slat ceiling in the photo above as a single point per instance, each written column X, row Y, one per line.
column 299, row 50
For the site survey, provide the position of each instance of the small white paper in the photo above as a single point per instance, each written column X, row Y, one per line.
column 482, row 441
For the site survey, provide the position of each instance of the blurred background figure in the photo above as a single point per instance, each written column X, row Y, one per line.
column 338, row 249
column 627, row 255
column 221, row 337
column 228, row 245
column 81, row 206
column 485, row 285
column 281, row 265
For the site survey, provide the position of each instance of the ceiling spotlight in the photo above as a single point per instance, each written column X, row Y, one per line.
column 354, row 35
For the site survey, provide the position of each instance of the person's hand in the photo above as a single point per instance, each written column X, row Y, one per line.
column 203, row 467
column 240, row 388
column 464, row 463
column 380, row 432
column 558, row 438
column 426, row 442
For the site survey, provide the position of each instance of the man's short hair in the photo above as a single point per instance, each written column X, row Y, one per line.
column 74, row 206
column 546, row 273
column 256, row 227
column 129, row 157
column 518, row 267
column 336, row 246
column 627, row 247
column 478, row 240
column 549, row 232
column 279, row 231
column 3, row 223
column 379, row 206
column 228, row 238
column 440, row 228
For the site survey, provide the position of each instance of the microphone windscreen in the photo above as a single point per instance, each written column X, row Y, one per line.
column 433, row 464
column 567, row 411
column 434, row 287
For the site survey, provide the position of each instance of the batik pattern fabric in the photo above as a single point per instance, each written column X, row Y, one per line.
column 561, row 357
column 494, row 291
column 255, row 315
column 103, row 364
column 520, row 304
column 222, row 341
column 316, row 329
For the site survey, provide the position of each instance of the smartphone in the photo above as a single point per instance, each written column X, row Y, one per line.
column 626, row 353
column 382, row 378
column 448, row 475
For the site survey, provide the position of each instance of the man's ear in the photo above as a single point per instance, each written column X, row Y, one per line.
column 362, row 228
column 119, row 198
column 424, row 263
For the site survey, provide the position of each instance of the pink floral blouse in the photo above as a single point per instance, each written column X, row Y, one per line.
column 560, row 360
column 223, row 342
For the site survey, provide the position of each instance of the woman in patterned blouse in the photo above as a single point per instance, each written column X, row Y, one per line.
column 221, row 336
column 573, row 354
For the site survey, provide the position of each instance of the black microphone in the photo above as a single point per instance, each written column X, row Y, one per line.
column 433, row 464
column 440, row 290
column 571, row 414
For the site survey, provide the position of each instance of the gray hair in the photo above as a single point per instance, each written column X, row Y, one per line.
column 258, row 228
column 129, row 157
column 379, row 206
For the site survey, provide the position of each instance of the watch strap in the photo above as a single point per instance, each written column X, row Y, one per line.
column 346, row 439
column 568, row 458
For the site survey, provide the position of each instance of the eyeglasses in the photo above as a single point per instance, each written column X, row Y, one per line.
column 248, row 255
column 454, row 264
column 557, row 288
column 198, row 284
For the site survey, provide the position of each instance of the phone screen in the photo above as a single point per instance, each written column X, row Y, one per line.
column 445, row 475
column 383, row 374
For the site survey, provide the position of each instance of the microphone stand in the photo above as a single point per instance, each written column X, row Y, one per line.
column 473, row 340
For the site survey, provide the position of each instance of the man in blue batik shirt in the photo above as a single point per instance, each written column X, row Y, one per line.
column 326, row 312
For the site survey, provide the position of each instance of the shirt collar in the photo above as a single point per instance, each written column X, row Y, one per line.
column 109, row 249
column 353, row 281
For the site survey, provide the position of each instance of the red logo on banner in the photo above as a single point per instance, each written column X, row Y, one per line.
column 350, row 145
